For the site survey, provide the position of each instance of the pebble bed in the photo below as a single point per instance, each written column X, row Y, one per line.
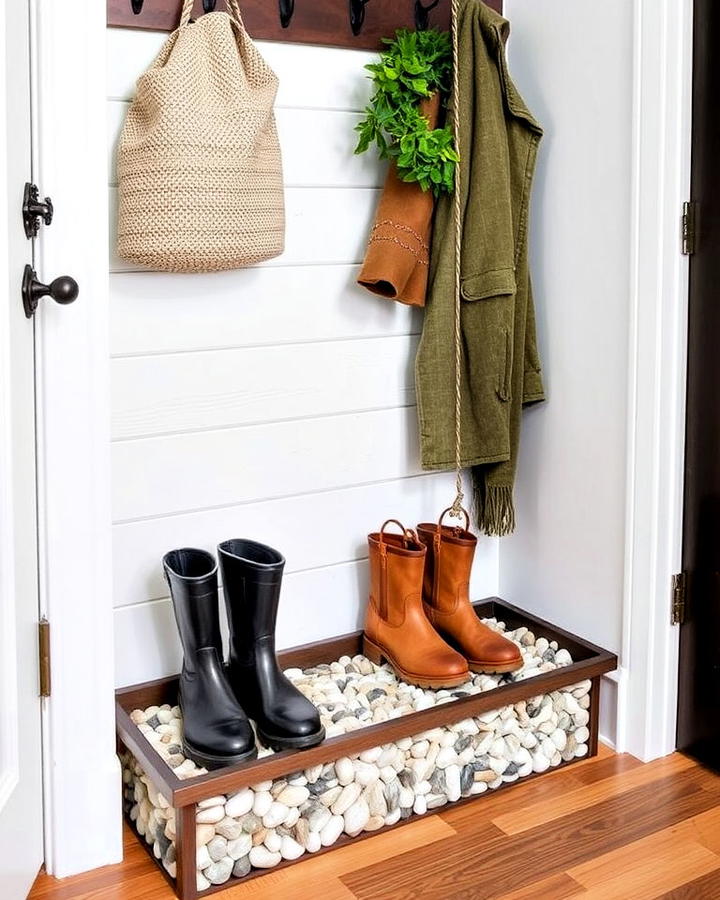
column 259, row 826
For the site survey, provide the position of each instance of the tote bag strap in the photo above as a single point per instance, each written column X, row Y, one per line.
column 233, row 9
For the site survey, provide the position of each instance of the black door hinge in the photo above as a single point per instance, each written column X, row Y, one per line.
column 679, row 599
column 689, row 225
column 35, row 210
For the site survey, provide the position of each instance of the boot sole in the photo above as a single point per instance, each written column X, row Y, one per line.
column 292, row 743
column 378, row 655
column 494, row 668
column 209, row 761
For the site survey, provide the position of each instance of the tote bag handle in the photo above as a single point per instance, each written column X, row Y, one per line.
column 232, row 6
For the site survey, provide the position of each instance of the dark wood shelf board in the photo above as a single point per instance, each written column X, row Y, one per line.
column 325, row 22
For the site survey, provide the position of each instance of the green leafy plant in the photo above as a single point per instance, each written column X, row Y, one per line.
column 415, row 65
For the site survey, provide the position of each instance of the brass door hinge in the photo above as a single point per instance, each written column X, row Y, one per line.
column 689, row 225
column 44, row 651
column 679, row 598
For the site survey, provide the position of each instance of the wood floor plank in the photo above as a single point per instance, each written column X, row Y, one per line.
column 702, row 831
column 647, row 877
column 539, row 791
column 556, row 887
column 646, row 867
column 297, row 881
column 464, row 866
column 541, row 813
column 136, row 878
column 328, row 888
column 705, row 888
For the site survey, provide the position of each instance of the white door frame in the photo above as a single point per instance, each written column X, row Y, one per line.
column 662, row 107
column 82, row 777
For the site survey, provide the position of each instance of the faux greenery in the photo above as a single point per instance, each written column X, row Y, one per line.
column 415, row 65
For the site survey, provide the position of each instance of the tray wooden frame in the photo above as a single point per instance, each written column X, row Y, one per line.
column 589, row 662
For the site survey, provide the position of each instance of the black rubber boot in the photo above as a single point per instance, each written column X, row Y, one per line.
column 252, row 575
column 216, row 731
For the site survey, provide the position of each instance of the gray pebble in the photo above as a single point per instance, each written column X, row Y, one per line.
column 217, row 848
column 153, row 722
column 462, row 743
column 242, row 867
column 392, row 795
column 250, row 823
column 466, row 778
column 407, row 778
column 375, row 693
column 219, row 871
column 438, row 782
column 511, row 769
column 318, row 787
column 163, row 841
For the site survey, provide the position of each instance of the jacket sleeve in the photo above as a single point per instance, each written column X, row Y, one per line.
column 488, row 233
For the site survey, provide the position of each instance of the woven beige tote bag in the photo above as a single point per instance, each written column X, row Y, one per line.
column 199, row 165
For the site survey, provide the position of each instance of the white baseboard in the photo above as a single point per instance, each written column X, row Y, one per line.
column 608, row 727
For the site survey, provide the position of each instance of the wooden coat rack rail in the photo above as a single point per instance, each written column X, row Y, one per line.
column 326, row 22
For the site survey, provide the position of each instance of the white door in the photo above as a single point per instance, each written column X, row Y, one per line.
column 21, row 818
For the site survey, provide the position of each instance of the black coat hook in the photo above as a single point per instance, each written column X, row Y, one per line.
column 137, row 6
column 287, row 8
column 357, row 15
column 422, row 14
column 209, row 5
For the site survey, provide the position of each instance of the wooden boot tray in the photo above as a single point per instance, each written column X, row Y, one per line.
column 182, row 796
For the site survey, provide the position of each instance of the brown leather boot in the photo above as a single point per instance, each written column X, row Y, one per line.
column 396, row 627
column 446, row 598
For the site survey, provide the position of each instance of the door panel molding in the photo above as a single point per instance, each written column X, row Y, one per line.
column 21, row 790
column 82, row 778
column 656, row 420
column 9, row 735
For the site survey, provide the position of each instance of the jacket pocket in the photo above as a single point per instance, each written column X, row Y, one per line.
column 494, row 283
column 488, row 317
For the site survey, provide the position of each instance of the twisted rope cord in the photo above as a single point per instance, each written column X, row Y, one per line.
column 233, row 8
column 456, row 510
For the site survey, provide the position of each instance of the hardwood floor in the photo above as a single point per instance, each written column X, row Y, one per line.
column 608, row 828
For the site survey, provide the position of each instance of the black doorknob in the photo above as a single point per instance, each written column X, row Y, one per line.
column 62, row 289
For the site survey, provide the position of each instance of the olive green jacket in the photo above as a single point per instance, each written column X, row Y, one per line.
column 500, row 371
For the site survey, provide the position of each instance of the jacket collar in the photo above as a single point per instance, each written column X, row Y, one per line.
column 496, row 31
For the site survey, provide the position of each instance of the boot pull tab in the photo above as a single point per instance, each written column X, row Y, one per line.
column 408, row 534
column 453, row 514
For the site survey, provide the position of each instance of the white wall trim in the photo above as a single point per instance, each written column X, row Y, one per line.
column 656, row 418
column 82, row 779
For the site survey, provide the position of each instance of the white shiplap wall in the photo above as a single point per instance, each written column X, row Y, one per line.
column 275, row 402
